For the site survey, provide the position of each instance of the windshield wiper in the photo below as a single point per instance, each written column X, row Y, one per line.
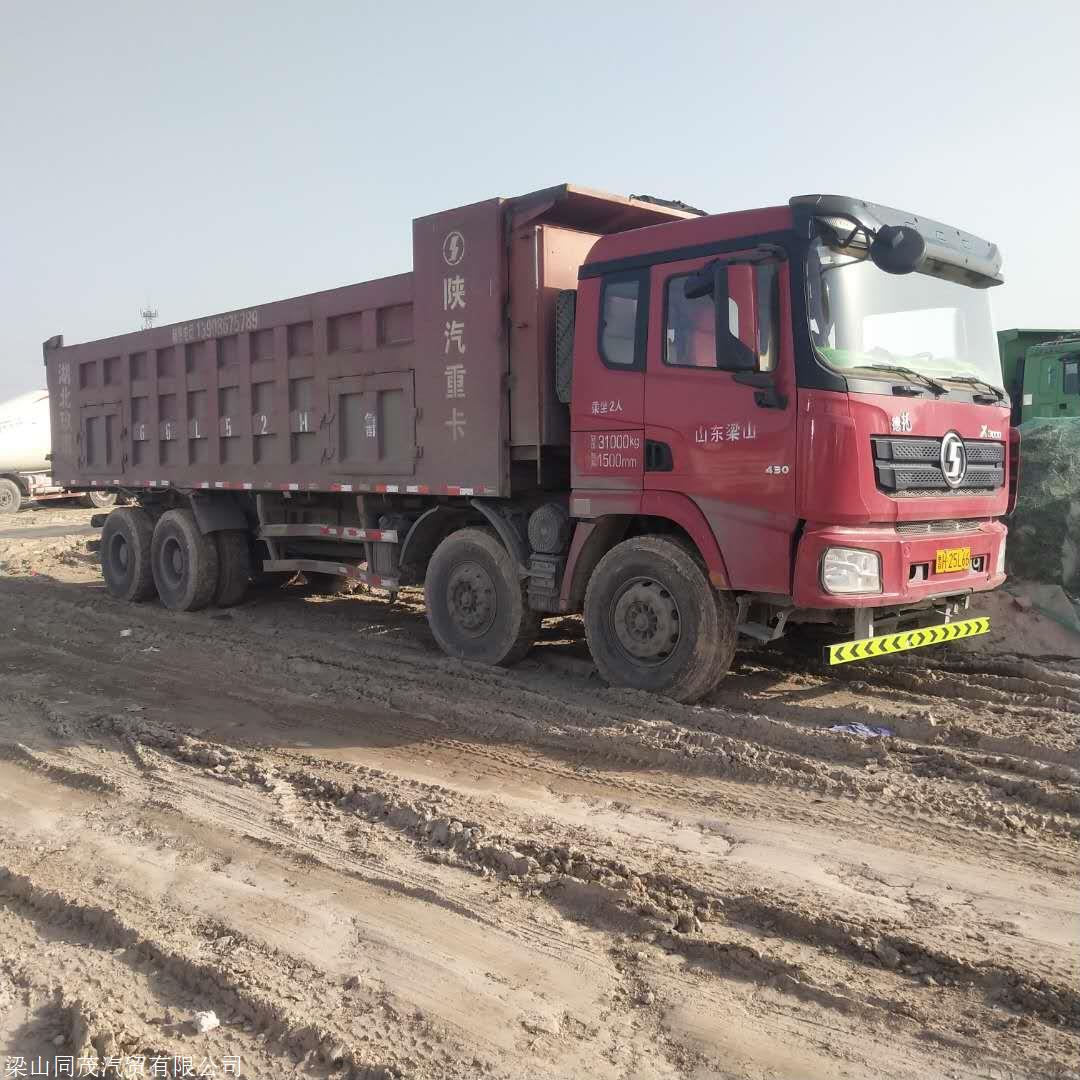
column 909, row 373
column 971, row 380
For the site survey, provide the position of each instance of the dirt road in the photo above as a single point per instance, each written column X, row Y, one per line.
column 369, row 860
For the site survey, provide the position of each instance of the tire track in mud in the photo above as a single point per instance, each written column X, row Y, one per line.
column 910, row 717
column 675, row 911
column 444, row 1058
column 261, row 992
column 683, row 740
column 1016, row 686
column 639, row 897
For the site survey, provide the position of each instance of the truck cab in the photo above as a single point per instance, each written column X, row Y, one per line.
column 813, row 392
column 1042, row 371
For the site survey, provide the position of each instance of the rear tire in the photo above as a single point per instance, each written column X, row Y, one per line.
column 185, row 562
column 10, row 496
column 654, row 621
column 476, row 604
column 98, row 500
column 234, row 566
column 126, row 542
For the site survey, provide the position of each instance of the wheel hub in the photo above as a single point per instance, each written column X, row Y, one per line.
column 645, row 618
column 172, row 561
column 471, row 599
column 7, row 500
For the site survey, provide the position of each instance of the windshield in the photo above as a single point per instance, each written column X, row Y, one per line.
column 862, row 318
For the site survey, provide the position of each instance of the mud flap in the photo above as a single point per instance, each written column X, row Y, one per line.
column 870, row 648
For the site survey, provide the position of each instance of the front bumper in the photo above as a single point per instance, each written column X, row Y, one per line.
column 907, row 564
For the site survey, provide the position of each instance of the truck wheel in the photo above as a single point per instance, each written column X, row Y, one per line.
column 476, row 605
column 185, row 562
column 125, row 554
column 234, row 566
column 98, row 500
column 654, row 622
column 10, row 496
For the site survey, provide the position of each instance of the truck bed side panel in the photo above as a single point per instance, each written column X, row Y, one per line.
column 398, row 382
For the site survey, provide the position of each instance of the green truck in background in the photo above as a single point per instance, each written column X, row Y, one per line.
column 1041, row 372
column 1041, row 369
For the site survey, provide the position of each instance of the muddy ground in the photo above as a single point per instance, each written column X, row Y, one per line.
column 369, row 860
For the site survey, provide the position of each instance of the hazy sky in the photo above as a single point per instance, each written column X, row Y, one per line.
column 208, row 157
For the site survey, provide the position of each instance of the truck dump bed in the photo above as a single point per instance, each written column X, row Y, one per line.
column 436, row 381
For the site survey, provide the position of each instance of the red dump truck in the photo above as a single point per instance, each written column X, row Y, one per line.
column 687, row 427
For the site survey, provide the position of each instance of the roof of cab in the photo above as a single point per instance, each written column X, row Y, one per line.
column 674, row 235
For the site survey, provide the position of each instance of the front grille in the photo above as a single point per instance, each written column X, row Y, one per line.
column 940, row 493
column 914, row 449
column 910, row 467
column 951, row 526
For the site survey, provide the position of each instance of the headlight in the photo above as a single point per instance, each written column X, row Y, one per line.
column 1001, row 558
column 845, row 571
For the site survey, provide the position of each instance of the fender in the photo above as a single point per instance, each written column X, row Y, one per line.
column 509, row 536
column 687, row 514
column 611, row 515
column 217, row 513
column 426, row 533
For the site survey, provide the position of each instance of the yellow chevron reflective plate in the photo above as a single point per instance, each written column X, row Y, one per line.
column 887, row 644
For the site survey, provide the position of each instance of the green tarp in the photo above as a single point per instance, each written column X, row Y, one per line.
column 1044, row 531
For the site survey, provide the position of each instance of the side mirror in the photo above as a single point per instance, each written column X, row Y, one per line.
column 731, row 287
column 701, row 282
column 897, row 249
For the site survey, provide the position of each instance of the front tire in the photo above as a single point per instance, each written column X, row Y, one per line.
column 185, row 562
column 126, row 542
column 476, row 605
column 10, row 496
column 654, row 622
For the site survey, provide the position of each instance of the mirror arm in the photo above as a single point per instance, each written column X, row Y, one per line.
column 763, row 253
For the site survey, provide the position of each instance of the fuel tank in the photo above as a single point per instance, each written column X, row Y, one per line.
column 24, row 433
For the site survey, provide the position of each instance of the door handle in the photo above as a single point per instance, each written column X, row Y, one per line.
column 658, row 457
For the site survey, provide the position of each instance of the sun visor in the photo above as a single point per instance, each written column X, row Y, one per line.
column 950, row 253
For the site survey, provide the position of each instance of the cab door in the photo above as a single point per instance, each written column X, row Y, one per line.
column 726, row 439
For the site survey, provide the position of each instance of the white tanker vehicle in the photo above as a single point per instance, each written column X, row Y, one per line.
column 25, row 454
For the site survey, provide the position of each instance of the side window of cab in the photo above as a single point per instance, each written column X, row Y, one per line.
column 623, row 321
column 1071, row 375
column 691, row 324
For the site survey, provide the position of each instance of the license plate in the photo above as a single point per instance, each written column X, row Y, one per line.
column 949, row 560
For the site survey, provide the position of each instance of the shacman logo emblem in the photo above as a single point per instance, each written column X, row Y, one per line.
column 453, row 248
column 953, row 459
